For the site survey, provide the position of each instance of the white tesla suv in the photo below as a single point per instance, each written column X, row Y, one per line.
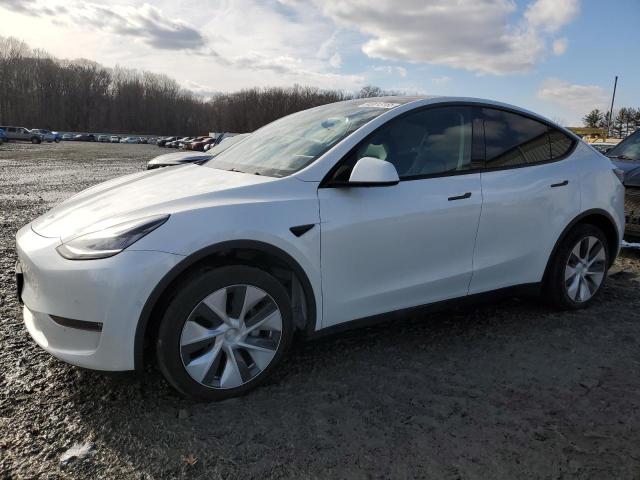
column 342, row 212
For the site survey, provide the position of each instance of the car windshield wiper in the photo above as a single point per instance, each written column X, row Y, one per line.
column 622, row 157
column 234, row 169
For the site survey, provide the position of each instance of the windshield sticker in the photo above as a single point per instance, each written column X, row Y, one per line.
column 378, row 105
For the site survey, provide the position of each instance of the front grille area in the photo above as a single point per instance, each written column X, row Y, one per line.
column 632, row 210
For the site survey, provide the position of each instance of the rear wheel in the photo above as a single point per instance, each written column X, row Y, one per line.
column 35, row 140
column 579, row 268
column 224, row 332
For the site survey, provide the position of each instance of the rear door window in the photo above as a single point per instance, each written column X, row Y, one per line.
column 514, row 140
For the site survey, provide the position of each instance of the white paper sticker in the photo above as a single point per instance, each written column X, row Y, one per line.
column 378, row 105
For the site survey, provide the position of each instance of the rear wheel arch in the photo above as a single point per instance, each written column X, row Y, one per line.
column 236, row 252
column 598, row 218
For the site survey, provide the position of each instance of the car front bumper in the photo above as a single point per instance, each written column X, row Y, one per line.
column 85, row 312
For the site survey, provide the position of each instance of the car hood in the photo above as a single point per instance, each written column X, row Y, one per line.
column 179, row 157
column 152, row 192
column 631, row 171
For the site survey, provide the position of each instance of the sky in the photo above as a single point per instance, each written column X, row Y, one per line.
column 555, row 57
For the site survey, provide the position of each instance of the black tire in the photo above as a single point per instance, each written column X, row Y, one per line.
column 57, row 140
column 35, row 140
column 555, row 287
column 189, row 294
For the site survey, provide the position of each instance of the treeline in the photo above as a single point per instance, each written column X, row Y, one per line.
column 37, row 90
column 40, row 91
column 625, row 121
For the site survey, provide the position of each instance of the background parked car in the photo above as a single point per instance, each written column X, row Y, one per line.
column 180, row 143
column 130, row 140
column 114, row 139
column 603, row 147
column 3, row 136
column 21, row 134
column 85, row 137
column 67, row 137
column 173, row 144
column 48, row 135
column 626, row 156
column 180, row 158
column 162, row 142
column 189, row 145
column 103, row 138
column 199, row 144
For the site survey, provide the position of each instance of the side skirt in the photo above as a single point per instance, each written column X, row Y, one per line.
column 524, row 290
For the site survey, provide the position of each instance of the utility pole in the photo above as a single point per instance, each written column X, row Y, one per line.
column 615, row 84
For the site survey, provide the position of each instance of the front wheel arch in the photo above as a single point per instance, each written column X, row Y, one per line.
column 234, row 252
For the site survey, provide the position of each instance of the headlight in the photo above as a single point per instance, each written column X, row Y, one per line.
column 110, row 241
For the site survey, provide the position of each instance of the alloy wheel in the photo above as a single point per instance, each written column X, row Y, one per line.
column 231, row 336
column 585, row 269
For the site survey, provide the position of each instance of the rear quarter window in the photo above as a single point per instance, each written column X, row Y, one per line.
column 513, row 140
column 560, row 143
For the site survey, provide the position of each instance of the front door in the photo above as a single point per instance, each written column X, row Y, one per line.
column 393, row 247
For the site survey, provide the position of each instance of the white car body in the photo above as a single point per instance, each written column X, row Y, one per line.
column 130, row 140
column 368, row 251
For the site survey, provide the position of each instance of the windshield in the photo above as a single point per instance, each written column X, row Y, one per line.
column 293, row 142
column 226, row 143
column 629, row 148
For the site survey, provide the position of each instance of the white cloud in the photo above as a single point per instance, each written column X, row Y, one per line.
column 143, row 22
column 441, row 80
column 476, row 35
column 303, row 50
column 336, row 60
column 551, row 15
column 578, row 99
column 391, row 70
column 218, row 50
column 560, row 46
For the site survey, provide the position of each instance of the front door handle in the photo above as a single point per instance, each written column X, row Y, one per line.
column 461, row 197
column 561, row 184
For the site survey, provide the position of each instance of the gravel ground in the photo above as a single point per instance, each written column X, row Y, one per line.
column 506, row 390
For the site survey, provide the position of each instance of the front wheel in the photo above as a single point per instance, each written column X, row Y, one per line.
column 57, row 140
column 579, row 268
column 35, row 140
column 224, row 332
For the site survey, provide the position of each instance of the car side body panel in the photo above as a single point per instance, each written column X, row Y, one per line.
column 391, row 248
column 522, row 218
column 265, row 215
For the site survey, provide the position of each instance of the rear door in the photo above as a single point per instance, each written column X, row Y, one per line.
column 387, row 248
column 531, row 192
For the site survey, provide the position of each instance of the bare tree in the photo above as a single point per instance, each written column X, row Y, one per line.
column 38, row 90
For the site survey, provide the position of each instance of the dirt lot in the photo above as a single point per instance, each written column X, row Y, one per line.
column 507, row 390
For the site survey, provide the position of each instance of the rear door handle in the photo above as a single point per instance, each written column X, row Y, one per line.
column 461, row 197
column 561, row 184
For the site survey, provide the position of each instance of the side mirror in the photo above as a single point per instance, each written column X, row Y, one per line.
column 373, row 172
